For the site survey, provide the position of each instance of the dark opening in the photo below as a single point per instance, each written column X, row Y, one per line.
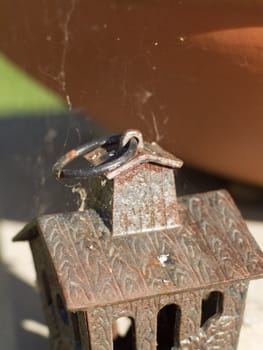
column 168, row 327
column 212, row 306
column 123, row 330
column 77, row 337
column 62, row 310
column 47, row 290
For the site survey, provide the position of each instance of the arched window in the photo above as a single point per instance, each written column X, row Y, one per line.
column 212, row 306
column 168, row 327
column 123, row 330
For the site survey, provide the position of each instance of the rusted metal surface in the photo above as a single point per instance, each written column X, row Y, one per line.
column 219, row 333
column 138, row 192
column 209, row 248
column 154, row 250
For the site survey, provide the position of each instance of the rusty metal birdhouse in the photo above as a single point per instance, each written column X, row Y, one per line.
column 177, row 269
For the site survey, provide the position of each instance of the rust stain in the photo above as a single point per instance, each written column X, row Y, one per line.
column 71, row 154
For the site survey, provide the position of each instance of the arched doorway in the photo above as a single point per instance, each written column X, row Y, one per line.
column 168, row 327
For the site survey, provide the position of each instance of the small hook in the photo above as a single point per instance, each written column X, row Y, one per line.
column 129, row 134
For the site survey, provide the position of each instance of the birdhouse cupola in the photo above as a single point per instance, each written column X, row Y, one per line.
column 134, row 196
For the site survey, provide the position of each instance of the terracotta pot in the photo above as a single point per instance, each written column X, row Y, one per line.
column 188, row 74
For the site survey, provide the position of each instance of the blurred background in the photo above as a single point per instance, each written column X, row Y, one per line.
column 189, row 75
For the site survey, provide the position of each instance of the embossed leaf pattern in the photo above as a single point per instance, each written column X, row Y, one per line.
column 216, row 335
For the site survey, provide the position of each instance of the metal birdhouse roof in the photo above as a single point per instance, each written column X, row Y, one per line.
column 212, row 246
column 149, row 153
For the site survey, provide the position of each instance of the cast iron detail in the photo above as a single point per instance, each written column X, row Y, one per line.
column 155, row 250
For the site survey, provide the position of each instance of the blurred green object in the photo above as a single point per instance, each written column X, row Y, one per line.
column 21, row 93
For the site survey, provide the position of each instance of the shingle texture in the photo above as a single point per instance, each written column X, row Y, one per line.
column 211, row 246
